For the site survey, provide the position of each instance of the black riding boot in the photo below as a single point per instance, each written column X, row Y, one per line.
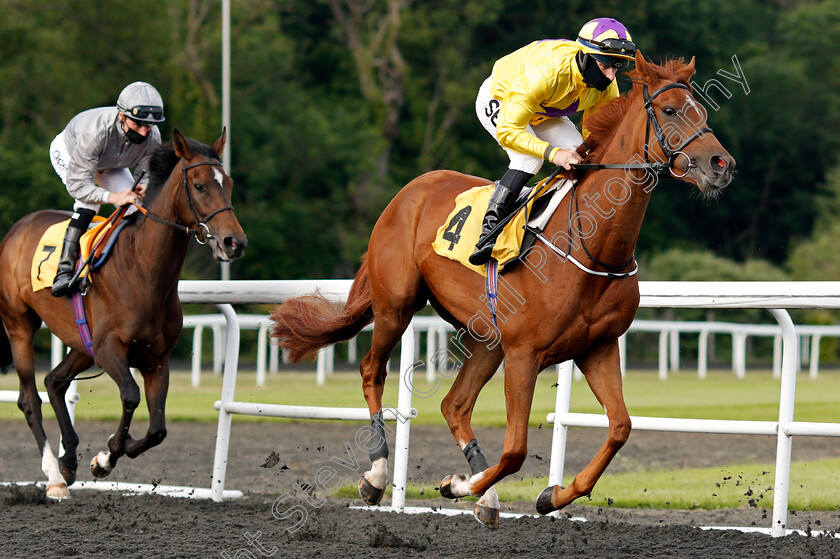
column 70, row 252
column 501, row 203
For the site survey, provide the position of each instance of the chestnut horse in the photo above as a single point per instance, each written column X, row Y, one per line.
column 132, row 306
column 549, row 310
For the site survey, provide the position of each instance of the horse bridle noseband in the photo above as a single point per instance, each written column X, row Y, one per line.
column 660, row 167
column 200, row 222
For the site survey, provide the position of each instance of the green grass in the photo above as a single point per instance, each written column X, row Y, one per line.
column 720, row 396
column 813, row 486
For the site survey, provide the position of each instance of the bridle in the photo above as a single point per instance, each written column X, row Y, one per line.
column 200, row 221
column 659, row 168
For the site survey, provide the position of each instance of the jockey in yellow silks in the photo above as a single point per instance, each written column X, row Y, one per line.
column 526, row 101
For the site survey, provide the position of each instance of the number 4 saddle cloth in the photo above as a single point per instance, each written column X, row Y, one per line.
column 457, row 237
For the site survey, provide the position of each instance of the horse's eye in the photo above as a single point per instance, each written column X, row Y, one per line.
column 199, row 186
column 669, row 111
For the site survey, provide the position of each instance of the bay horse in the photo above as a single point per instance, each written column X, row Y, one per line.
column 549, row 310
column 132, row 306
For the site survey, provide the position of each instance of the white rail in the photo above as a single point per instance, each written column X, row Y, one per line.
column 769, row 295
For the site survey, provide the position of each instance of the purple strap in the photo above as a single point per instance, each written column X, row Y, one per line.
column 491, row 285
column 81, row 322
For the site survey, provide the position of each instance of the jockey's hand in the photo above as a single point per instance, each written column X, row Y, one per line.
column 140, row 190
column 566, row 158
column 122, row 198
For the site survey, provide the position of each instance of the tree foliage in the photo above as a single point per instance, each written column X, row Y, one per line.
column 336, row 104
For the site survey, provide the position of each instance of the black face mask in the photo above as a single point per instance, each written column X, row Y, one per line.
column 135, row 137
column 592, row 74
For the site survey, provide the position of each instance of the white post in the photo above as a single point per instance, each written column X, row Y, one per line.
column 321, row 367
column 262, row 349
column 814, row 370
column 741, row 361
column 351, row 350
column 675, row 350
column 56, row 351
column 703, row 354
column 559, row 432
column 403, row 420
column 431, row 344
column 217, row 486
column 195, row 375
column 777, row 356
column 663, row 355
column 790, row 362
column 218, row 348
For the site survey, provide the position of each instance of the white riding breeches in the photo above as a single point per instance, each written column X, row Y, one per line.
column 559, row 132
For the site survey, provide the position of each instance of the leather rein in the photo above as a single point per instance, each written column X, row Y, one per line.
column 660, row 168
column 200, row 221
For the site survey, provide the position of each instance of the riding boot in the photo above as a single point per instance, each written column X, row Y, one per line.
column 70, row 252
column 501, row 203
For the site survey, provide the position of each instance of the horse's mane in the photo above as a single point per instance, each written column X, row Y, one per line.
column 603, row 124
column 163, row 161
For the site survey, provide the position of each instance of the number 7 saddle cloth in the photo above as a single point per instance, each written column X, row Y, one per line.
column 48, row 252
column 457, row 237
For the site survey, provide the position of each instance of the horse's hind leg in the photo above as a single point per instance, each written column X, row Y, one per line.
column 57, row 382
column 21, row 338
column 457, row 408
column 602, row 371
column 387, row 329
column 396, row 296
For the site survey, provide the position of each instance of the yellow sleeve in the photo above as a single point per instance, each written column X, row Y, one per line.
column 520, row 104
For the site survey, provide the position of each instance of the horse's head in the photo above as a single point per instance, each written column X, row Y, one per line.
column 677, row 130
column 205, row 206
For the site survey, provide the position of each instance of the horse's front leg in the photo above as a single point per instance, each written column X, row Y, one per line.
column 111, row 356
column 155, row 385
column 57, row 382
column 520, row 380
column 602, row 370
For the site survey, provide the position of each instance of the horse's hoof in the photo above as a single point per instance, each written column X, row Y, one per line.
column 68, row 475
column 370, row 494
column 446, row 485
column 545, row 501
column 58, row 491
column 487, row 515
column 68, row 472
column 97, row 470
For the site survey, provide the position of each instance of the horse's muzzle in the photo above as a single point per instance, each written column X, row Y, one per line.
column 233, row 247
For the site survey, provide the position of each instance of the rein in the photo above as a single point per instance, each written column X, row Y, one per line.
column 200, row 222
column 659, row 168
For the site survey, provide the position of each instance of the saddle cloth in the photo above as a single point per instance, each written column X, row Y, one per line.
column 457, row 237
column 48, row 252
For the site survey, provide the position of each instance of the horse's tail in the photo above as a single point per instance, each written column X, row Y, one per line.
column 304, row 325
column 6, row 358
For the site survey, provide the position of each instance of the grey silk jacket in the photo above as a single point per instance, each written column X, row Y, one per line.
column 96, row 141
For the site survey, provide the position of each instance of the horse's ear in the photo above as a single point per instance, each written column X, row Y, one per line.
column 641, row 64
column 182, row 148
column 219, row 145
column 686, row 71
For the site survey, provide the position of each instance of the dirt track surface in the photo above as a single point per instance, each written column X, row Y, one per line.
column 94, row 524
